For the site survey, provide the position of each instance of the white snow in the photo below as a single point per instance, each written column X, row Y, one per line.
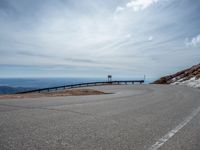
column 193, row 82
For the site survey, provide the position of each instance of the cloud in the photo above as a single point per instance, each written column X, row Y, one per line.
column 27, row 53
column 119, row 9
column 79, row 60
column 138, row 5
column 193, row 42
column 97, row 34
column 150, row 38
column 128, row 36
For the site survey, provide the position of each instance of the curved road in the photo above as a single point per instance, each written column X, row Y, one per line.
column 134, row 117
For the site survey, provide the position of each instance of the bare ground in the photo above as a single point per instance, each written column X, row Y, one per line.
column 69, row 92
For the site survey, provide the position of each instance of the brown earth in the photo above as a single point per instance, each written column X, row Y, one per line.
column 69, row 92
column 186, row 74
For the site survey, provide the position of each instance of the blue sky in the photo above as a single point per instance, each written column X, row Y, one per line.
column 93, row 38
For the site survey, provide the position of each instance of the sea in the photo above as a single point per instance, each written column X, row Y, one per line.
column 52, row 82
column 43, row 82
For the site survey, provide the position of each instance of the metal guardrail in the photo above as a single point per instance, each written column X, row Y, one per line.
column 82, row 85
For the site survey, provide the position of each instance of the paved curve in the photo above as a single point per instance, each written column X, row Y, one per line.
column 139, row 117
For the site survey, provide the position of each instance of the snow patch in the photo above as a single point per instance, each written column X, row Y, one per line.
column 193, row 82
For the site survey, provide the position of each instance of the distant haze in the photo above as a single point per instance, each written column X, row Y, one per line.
column 94, row 38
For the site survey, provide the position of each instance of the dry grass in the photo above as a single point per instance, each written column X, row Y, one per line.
column 69, row 92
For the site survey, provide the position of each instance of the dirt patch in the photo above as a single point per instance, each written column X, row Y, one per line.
column 69, row 92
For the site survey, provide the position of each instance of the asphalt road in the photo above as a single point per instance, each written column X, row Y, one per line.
column 135, row 117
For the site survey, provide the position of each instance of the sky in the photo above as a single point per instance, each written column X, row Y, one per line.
column 94, row 38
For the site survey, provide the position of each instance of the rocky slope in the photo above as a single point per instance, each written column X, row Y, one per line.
column 189, row 77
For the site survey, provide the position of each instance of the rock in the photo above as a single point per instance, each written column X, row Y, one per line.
column 180, row 76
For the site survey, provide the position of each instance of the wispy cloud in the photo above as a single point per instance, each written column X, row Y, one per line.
column 98, row 34
column 138, row 5
column 150, row 38
column 195, row 41
column 119, row 9
column 28, row 53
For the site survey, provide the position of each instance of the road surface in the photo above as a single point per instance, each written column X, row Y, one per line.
column 134, row 117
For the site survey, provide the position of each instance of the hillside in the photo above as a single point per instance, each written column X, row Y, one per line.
column 189, row 77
